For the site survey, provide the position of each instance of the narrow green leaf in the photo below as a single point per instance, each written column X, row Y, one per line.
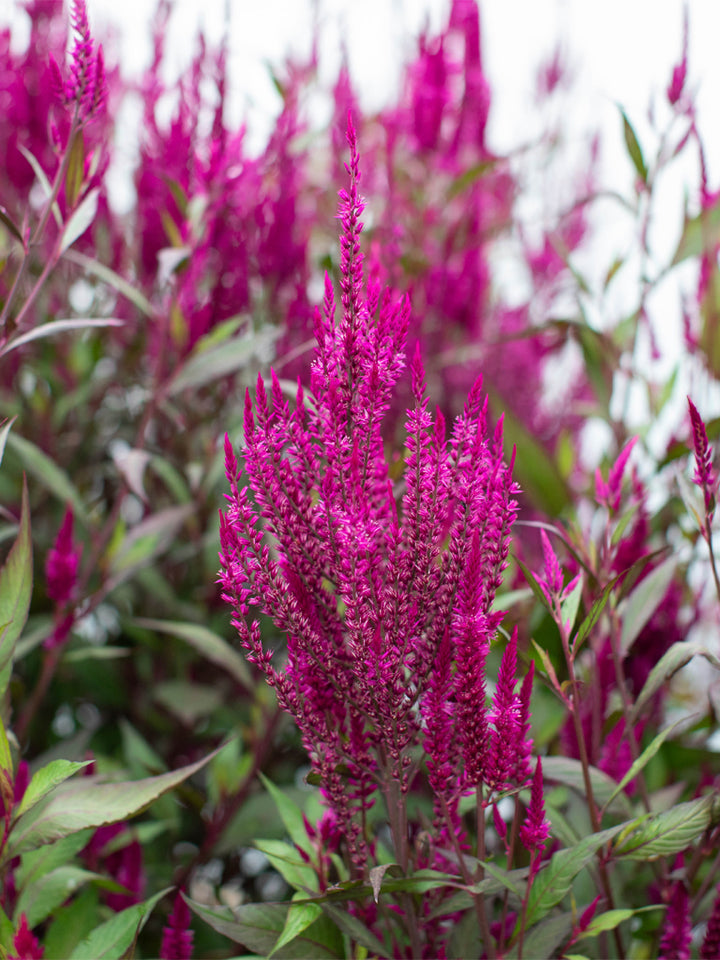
column 569, row 771
column 42, row 180
column 89, row 802
column 645, row 757
column 35, row 864
column 46, row 472
column 300, row 917
column 533, row 583
column 593, row 615
column 545, row 937
column 45, row 780
column 700, row 233
column 51, row 890
column 289, row 864
column 72, row 924
column 613, row 918
column 15, row 589
column 208, row 366
column 679, row 654
column 55, row 327
column 664, row 834
column 355, row 929
column 147, row 540
column 80, row 219
column 4, row 431
column 112, row 939
column 7, row 932
column 139, row 755
column 642, row 603
column 188, row 702
column 554, row 881
column 290, row 814
column 113, row 280
column 211, row 645
column 571, row 604
column 633, row 147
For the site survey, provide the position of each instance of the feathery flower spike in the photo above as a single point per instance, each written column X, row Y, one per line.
column 704, row 475
column 61, row 565
column 177, row 939
column 25, row 945
column 536, row 829
column 710, row 949
column 677, row 931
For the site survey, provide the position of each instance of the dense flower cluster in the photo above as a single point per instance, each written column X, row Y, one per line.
column 385, row 609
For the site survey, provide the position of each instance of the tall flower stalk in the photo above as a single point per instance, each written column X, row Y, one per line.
column 382, row 584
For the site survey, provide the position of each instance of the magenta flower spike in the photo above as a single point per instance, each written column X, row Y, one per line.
column 609, row 492
column 704, row 475
column 536, row 829
column 677, row 82
column 61, row 565
column 177, row 938
column 25, row 944
column 385, row 600
column 505, row 717
column 710, row 949
column 677, row 930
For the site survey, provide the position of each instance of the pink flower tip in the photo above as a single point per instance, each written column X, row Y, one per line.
column 536, row 829
column 61, row 565
column 177, row 940
column 25, row 945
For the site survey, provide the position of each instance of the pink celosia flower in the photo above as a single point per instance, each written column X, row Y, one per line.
column 536, row 829
column 25, row 945
column 704, row 476
column 177, row 939
column 677, row 930
column 376, row 598
column 710, row 949
column 61, row 565
column 679, row 74
column 609, row 493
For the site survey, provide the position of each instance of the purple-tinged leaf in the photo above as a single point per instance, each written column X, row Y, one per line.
column 89, row 802
column 60, row 326
column 113, row 280
column 633, row 147
column 11, row 225
column 300, row 917
column 45, row 780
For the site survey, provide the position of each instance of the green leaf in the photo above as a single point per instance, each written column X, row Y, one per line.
column 642, row 603
column 4, row 431
column 594, row 615
column 80, row 219
column 633, row 147
column 112, row 939
column 7, row 931
column 187, row 701
column 355, row 929
column 45, row 780
column 36, row 864
column 300, row 917
column 210, row 365
column 289, row 864
column 72, row 924
column 42, row 180
column 89, row 802
column 290, row 814
column 61, row 326
column 533, row 583
column 46, row 472
column 699, row 234
column 259, row 925
column 571, row 604
column 613, row 918
column 147, row 540
column 679, row 654
column 139, row 755
column 544, row 938
column 645, row 757
column 15, row 590
column 569, row 771
column 113, row 280
column 664, row 834
column 554, row 881
column 50, row 891
column 212, row 646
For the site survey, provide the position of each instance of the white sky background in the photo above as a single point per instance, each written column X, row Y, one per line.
column 620, row 51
